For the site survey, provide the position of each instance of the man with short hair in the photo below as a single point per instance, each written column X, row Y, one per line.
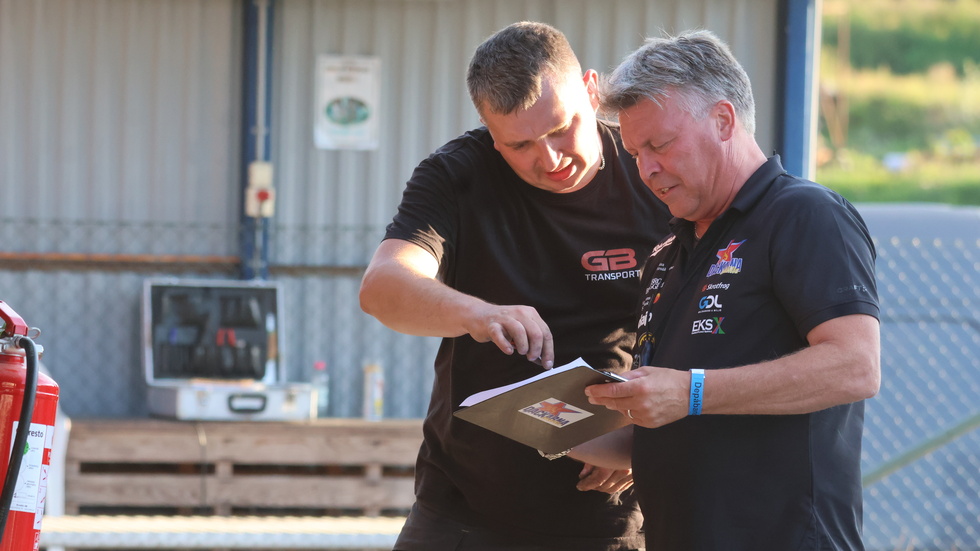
column 519, row 242
column 758, row 336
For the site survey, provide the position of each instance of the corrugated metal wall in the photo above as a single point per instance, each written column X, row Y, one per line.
column 424, row 48
column 121, row 137
column 117, row 117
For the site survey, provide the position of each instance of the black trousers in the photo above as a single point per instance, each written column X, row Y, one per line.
column 425, row 530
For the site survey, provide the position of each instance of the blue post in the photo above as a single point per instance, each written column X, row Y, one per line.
column 256, row 115
column 797, row 48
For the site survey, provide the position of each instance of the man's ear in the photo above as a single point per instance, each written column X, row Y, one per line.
column 724, row 115
column 591, row 80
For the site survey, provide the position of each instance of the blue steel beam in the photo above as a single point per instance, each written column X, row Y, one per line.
column 797, row 47
column 256, row 116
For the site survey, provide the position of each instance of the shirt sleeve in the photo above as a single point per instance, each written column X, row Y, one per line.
column 428, row 211
column 823, row 262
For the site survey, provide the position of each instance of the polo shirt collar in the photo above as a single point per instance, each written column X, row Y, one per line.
column 752, row 191
column 758, row 184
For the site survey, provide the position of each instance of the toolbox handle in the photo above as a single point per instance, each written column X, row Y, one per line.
column 244, row 402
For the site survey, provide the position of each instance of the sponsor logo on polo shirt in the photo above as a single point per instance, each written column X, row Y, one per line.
column 666, row 242
column 613, row 259
column 709, row 303
column 644, row 320
column 644, row 339
column 610, row 264
column 715, row 287
column 708, row 326
column 555, row 412
column 655, row 284
column 727, row 263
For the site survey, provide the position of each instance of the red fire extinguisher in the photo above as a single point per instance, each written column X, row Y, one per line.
column 28, row 407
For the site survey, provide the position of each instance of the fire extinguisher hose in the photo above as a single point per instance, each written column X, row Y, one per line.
column 23, row 427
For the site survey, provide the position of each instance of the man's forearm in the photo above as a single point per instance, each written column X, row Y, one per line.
column 612, row 450
column 414, row 304
column 842, row 365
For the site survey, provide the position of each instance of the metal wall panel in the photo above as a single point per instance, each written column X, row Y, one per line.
column 120, row 136
column 120, row 115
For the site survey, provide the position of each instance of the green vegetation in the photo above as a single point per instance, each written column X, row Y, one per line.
column 900, row 100
column 909, row 36
column 866, row 180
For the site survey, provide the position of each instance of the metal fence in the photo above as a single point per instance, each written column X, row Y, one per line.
column 921, row 454
column 921, row 458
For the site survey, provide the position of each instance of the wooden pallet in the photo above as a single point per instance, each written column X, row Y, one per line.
column 320, row 467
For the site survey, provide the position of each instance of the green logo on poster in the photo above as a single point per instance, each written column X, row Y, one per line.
column 347, row 111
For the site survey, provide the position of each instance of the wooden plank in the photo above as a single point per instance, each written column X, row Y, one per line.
column 136, row 490
column 285, row 492
column 347, row 441
column 138, row 442
column 328, row 442
column 313, row 492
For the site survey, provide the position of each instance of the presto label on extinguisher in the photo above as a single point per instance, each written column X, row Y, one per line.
column 29, row 482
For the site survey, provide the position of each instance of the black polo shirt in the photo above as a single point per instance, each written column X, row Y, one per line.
column 787, row 256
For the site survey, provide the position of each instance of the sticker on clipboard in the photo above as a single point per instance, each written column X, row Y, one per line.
column 555, row 412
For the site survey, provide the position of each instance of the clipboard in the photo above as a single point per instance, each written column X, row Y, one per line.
column 549, row 411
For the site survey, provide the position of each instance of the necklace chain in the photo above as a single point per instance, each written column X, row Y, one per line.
column 602, row 160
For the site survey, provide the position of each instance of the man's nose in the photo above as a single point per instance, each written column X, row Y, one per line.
column 648, row 165
column 551, row 155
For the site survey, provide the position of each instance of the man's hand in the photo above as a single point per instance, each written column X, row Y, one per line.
column 652, row 397
column 600, row 479
column 401, row 289
column 514, row 329
column 841, row 365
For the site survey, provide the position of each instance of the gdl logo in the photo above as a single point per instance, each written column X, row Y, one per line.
column 709, row 302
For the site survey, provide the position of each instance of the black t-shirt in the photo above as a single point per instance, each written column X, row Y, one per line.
column 787, row 256
column 576, row 258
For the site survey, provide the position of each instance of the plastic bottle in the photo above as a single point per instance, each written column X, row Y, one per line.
column 271, row 375
column 374, row 392
column 321, row 384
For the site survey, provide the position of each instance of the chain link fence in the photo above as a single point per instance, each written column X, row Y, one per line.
column 921, row 453
column 921, row 456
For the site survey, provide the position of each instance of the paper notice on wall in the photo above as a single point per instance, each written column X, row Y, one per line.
column 348, row 92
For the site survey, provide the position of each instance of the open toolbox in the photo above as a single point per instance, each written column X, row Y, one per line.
column 212, row 351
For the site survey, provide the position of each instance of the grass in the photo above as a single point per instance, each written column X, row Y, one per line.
column 864, row 179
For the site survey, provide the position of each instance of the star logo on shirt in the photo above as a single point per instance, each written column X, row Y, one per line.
column 725, row 255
